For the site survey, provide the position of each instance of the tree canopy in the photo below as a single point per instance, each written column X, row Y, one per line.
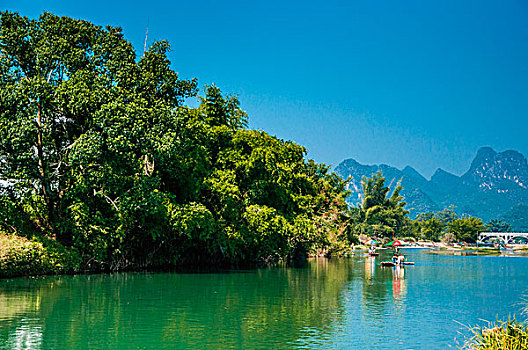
column 381, row 212
column 498, row 226
column 466, row 228
column 99, row 150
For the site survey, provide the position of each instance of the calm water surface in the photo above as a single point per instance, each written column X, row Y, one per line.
column 350, row 303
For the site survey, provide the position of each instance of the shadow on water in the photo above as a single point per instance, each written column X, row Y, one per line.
column 239, row 309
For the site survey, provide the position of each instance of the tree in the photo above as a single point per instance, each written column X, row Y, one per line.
column 432, row 229
column 80, row 126
column 383, row 212
column 466, row 228
column 498, row 226
column 67, row 85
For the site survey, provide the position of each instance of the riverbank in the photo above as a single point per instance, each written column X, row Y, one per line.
column 40, row 255
column 21, row 256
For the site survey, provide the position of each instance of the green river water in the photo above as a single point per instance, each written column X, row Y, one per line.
column 346, row 303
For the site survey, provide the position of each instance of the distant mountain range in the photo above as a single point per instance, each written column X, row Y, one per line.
column 494, row 187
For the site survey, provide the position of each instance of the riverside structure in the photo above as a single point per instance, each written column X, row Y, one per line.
column 504, row 237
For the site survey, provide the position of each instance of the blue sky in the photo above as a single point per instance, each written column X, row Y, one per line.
column 420, row 83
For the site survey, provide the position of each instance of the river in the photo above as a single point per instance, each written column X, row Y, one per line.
column 345, row 303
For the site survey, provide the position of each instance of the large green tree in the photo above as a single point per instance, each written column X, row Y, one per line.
column 99, row 150
column 432, row 229
column 71, row 91
column 81, row 124
column 382, row 212
column 466, row 228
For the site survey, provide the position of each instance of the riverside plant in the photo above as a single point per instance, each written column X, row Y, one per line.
column 500, row 335
column 20, row 256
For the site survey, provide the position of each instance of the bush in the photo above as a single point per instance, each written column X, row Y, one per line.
column 503, row 335
column 20, row 256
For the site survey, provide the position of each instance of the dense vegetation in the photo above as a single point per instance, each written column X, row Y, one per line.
column 100, row 152
column 446, row 225
column 20, row 256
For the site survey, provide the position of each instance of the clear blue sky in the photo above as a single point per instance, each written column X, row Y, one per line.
column 421, row 83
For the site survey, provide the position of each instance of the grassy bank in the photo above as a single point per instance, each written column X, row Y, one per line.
column 20, row 256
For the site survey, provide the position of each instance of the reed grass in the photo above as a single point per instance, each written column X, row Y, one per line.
column 500, row 335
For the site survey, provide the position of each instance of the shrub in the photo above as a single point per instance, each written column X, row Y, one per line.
column 20, row 256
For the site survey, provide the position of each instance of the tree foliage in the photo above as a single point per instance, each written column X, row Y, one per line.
column 432, row 229
column 466, row 228
column 381, row 213
column 99, row 150
column 498, row 226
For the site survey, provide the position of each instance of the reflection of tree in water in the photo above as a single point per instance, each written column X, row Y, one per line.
column 271, row 307
column 399, row 286
column 23, row 303
column 377, row 284
column 233, row 310
column 383, row 295
column 375, row 287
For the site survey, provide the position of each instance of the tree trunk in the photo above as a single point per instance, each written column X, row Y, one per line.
column 43, row 171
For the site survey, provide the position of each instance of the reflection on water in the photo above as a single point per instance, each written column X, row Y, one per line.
column 398, row 283
column 330, row 303
column 370, row 267
column 25, row 336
